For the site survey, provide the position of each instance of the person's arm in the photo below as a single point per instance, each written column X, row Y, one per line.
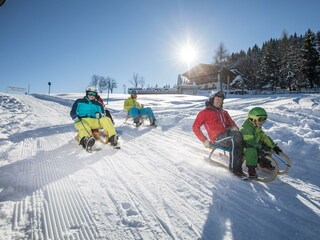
column 196, row 127
column 98, row 109
column 267, row 140
column 137, row 104
column 127, row 104
column 73, row 112
column 270, row 143
column 248, row 136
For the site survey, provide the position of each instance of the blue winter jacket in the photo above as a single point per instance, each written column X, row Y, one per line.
column 84, row 108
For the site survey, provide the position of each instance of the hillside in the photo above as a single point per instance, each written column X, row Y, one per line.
column 157, row 186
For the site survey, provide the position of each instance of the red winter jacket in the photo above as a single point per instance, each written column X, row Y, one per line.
column 216, row 121
column 100, row 99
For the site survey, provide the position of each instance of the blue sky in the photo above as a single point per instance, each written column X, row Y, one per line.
column 65, row 42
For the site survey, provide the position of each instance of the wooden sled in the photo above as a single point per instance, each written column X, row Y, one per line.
column 98, row 135
column 281, row 162
column 142, row 120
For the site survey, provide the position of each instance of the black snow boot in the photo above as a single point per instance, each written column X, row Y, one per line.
column 252, row 172
column 113, row 140
column 239, row 173
column 87, row 142
column 265, row 163
column 153, row 122
column 83, row 142
column 137, row 122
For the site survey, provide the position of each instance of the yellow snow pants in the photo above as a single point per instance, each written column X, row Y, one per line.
column 86, row 125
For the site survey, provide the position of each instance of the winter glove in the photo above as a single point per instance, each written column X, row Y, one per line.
column 76, row 119
column 99, row 115
column 206, row 143
column 277, row 150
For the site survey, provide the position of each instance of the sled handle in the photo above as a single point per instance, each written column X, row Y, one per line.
column 285, row 160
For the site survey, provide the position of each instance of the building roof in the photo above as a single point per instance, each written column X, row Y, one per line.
column 208, row 73
column 201, row 69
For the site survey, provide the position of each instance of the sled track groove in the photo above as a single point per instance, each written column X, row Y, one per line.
column 143, row 209
column 55, row 209
column 148, row 204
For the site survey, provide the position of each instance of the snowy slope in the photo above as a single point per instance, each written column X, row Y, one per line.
column 157, row 186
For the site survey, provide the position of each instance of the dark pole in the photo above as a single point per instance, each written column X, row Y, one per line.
column 108, row 92
column 49, row 83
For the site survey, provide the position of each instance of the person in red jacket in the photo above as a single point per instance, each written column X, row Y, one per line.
column 221, row 130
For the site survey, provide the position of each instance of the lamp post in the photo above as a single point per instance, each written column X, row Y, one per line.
column 49, row 83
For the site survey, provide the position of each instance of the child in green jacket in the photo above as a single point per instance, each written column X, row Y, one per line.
column 255, row 140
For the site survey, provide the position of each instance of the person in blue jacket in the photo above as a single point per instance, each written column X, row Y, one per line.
column 88, row 114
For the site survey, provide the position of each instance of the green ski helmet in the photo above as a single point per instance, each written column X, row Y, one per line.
column 258, row 114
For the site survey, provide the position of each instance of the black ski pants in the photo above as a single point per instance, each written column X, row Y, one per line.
column 233, row 141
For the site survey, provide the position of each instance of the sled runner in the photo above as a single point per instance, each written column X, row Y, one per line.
column 281, row 162
column 142, row 120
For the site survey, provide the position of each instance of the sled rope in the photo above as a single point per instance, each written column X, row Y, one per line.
column 85, row 127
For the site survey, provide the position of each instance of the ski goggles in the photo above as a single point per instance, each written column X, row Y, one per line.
column 92, row 94
column 261, row 119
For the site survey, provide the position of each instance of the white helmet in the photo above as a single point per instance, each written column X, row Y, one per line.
column 91, row 89
column 220, row 94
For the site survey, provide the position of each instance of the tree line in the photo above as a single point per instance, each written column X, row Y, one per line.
column 291, row 62
column 103, row 83
column 107, row 83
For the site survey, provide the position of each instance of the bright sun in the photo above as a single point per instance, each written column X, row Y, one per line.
column 187, row 53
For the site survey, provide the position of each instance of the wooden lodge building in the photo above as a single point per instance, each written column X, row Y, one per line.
column 210, row 76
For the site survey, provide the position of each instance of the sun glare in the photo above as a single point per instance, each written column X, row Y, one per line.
column 187, row 53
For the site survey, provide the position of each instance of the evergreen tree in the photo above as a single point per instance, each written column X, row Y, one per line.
column 318, row 49
column 318, row 42
column 252, row 61
column 293, row 57
column 285, row 69
column 289, row 62
column 268, row 73
column 309, row 60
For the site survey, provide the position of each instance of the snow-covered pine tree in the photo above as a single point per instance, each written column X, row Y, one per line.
column 309, row 60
